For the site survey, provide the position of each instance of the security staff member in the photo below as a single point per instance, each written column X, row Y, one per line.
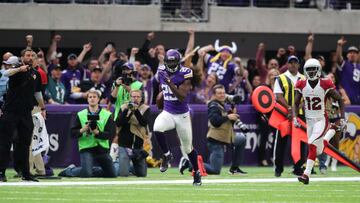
column 24, row 85
column 284, row 93
column 93, row 128
column 133, row 122
column 221, row 134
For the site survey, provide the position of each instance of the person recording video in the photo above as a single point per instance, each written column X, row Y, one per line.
column 93, row 128
column 133, row 122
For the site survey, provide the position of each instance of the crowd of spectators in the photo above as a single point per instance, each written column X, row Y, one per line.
column 213, row 64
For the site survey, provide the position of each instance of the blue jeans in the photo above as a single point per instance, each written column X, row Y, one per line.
column 87, row 168
column 217, row 154
column 138, row 167
column 322, row 159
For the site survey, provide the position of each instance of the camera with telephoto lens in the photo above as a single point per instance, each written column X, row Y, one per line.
column 233, row 99
column 131, row 106
column 127, row 79
column 240, row 125
column 92, row 121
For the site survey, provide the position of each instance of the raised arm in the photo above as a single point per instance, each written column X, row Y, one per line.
column 86, row 48
column 191, row 41
column 260, row 54
column 206, row 49
column 29, row 41
column 339, row 50
column 309, row 46
column 53, row 47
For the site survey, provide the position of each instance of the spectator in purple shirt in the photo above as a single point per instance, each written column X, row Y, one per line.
column 349, row 71
column 71, row 77
column 221, row 63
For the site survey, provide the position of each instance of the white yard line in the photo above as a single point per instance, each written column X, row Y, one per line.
column 205, row 181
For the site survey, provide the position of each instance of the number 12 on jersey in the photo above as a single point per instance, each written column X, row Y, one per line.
column 313, row 103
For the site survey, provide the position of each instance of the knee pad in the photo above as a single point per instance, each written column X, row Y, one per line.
column 312, row 152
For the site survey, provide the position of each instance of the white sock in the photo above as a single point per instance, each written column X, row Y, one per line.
column 309, row 166
column 329, row 134
column 333, row 164
column 167, row 153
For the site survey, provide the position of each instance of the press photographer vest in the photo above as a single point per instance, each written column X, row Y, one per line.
column 135, row 127
column 123, row 96
column 225, row 132
column 89, row 140
column 288, row 89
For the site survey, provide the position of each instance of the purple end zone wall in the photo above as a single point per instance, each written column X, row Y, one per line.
column 63, row 149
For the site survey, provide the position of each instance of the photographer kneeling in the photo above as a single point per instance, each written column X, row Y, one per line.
column 221, row 133
column 133, row 120
column 93, row 127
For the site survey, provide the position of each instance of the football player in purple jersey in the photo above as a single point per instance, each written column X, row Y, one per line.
column 175, row 82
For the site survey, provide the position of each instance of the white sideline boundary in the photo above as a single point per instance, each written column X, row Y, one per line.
column 205, row 181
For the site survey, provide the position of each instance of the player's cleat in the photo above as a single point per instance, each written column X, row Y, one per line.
column 183, row 165
column 165, row 162
column 304, row 179
column 277, row 174
column 197, row 178
column 236, row 171
column 2, row 177
column 29, row 178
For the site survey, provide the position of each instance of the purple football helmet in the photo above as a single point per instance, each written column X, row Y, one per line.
column 172, row 60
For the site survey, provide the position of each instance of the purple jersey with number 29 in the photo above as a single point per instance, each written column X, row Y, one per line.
column 171, row 102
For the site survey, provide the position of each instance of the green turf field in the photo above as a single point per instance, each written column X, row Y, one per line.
column 211, row 192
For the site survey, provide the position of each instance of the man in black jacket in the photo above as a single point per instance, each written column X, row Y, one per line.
column 24, row 92
column 133, row 122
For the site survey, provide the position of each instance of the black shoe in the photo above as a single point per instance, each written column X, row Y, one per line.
column 183, row 165
column 29, row 178
column 3, row 177
column 165, row 162
column 197, row 178
column 304, row 179
column 236, row 171
column 313, row 172
column 277, row 174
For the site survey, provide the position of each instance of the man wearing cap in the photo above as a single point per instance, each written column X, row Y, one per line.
column 349, row 71
column 123, row 86
column 55, row 89
column 145, row 77
column 10, row 61
column 284, row 93
column 85, row 85
column 71, row 78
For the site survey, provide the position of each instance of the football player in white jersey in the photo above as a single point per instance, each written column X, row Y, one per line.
column 314, row 90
